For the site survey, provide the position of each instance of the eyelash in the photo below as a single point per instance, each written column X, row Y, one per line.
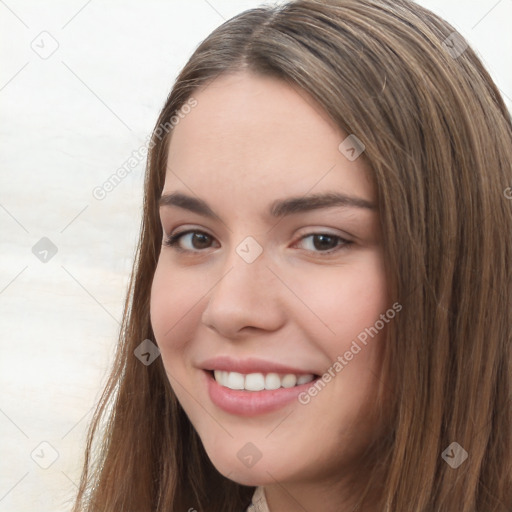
column 173, row 241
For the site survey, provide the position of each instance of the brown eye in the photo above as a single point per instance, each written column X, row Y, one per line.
column 325, row 242
column 196, row 241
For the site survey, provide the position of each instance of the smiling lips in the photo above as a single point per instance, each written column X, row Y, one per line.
column 248, row 387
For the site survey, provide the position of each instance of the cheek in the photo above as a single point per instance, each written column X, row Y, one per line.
column 345, row 300
column 175, row 312
column 174, row 308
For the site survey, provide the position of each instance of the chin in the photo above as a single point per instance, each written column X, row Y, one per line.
column 259, row 474
column 251, row 477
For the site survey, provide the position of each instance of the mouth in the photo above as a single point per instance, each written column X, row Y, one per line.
column 253, row 394
column 260, row 381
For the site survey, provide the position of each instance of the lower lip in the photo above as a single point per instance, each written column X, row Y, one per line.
column 251, row 403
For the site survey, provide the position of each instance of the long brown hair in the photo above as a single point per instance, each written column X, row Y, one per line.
column 438, row 141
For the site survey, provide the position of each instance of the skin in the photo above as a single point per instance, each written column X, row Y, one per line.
column 249, row 141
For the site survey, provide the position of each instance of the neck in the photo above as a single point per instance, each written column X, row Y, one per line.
column 340, row 496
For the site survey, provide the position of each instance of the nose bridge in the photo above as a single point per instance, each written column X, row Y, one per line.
column 242, row 296
column 246, row 269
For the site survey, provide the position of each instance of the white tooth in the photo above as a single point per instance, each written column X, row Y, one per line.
column 303, row 379
column 272, row 381
column 288, row 381
column 259, row 381
column 235, row 380
column 254, row 382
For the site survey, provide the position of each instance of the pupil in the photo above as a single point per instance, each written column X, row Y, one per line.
column 198, row 237
column 323, row 245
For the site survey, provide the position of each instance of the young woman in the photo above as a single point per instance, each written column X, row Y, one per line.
column 324, row 266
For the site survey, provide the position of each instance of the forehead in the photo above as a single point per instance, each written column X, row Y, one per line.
column 253, row 135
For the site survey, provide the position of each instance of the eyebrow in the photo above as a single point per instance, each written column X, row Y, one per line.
column 279, row 208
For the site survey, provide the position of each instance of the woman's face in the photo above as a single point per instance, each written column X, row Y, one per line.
column 271, row 284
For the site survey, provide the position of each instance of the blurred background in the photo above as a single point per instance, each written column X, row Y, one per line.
column 81, row 85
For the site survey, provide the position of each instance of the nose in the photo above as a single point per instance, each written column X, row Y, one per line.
column 247, row 296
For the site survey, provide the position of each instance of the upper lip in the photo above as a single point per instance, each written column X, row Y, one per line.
column 250, row 365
